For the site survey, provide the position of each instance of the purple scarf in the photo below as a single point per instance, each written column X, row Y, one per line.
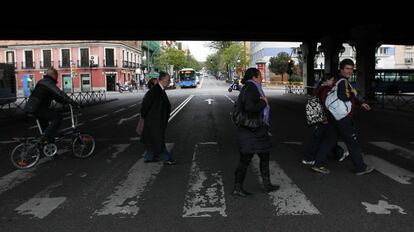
column 266, row 110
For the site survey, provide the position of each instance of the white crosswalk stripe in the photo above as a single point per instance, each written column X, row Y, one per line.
column 392, row 171
column 125, row 199
column 42, row 204
column 401, row 151
column 205, row 195
column 289, row 199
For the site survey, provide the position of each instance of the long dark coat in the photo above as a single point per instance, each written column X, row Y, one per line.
column 155, row 110
column 256, row 141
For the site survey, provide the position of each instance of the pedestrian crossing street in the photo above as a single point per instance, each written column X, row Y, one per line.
column 206, row 192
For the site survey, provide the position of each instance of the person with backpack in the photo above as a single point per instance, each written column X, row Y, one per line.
column 344, row 99
column 321, row 125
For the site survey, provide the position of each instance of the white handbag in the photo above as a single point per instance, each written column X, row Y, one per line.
column 338, row 108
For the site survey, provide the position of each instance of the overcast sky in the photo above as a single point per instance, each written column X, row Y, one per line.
column 199, row 49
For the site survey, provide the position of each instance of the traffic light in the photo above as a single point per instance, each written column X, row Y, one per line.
column 291, row 63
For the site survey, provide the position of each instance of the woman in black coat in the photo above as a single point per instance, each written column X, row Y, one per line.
column 257, row 141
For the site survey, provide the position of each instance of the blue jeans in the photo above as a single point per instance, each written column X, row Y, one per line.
column 165, row 155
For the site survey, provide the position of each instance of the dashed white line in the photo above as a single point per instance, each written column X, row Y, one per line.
column 131, row 106
column 232, row 101
column 120, row 110
column 103, row 116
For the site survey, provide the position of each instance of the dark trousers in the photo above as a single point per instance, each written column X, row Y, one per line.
column 45, row 116
column 319, row 145
column 245, row 159
column 318, row 135
column 347, row 131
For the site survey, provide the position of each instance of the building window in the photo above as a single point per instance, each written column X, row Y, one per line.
column 85, row 82
column 47, row 59
column 383, row 51
column 109, row 57
column 84, row 57
column 10, row 57
column 408, row 60
column 28, row 56
column 65, row 63
column 409, row 48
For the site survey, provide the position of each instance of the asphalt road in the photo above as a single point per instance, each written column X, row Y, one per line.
column 114, row 190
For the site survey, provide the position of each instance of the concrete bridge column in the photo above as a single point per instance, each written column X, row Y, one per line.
column 308, row 49
column 331, row 47
column 366, row 41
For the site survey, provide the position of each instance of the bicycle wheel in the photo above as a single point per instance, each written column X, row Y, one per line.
column 83, row 146
column 25, row 155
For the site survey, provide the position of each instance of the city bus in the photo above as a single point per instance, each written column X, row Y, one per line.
column 7, row 83
column 187, row 77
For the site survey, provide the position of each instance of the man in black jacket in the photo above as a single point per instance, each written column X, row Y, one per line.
column 40, row 100
column 155, row 110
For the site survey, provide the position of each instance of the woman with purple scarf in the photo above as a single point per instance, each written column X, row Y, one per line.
column 253, row 102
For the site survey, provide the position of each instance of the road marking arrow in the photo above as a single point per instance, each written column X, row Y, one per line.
column 209, row 101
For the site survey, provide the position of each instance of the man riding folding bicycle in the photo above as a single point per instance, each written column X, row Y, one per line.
column 40, row 101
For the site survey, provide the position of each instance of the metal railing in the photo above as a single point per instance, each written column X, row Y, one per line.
column 297, row 89
column 28, row 65
column 110, row 63
column 10, row 107
column 399, row 101
column 88, row 97
column 63, row 64
column 45, row 65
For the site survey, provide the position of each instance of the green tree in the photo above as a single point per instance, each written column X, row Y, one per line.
column 279, row 63
column 213, row 63
column 172, row 56
column 191, row 62
column 220, row 45
column 233, row 56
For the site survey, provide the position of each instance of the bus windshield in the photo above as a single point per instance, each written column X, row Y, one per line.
column 187, row 75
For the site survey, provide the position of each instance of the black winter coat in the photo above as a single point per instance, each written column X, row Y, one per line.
column 43, row 94
column 256, row 141
column 155, row 110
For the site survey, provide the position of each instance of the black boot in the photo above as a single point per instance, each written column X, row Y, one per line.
column 271, row 188
column 239, row 191
column 265, row 172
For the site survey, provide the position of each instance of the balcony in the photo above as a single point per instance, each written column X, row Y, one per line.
column 83, row 64
column 31, row 65
column 46, row 65
column 110, row 63
column 64, row 64
column 124, row 64
column 408, row 60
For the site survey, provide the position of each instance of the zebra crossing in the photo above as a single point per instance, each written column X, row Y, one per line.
column 206, row 194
